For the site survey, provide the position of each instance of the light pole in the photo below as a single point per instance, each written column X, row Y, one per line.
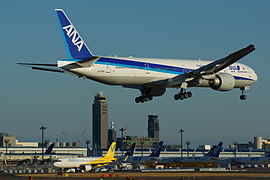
column 181, row 134
column 188, row 143
column 87, row 144
column 235, row 148
column 122, row 133
column 6, row 142
column 142, row 147
column 42, row 128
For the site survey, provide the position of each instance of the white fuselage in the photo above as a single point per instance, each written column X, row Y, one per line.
column 74, row 162
column 142, row 71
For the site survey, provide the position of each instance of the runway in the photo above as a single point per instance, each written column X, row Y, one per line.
column 143, row 176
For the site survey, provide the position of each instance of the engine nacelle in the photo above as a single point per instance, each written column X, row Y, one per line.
column 222, row 82
column 86, row 168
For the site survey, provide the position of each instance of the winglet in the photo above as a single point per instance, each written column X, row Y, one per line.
column 242, row 52
column 75, row 45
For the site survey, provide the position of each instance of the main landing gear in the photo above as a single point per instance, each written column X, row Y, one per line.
column 182, row 95
column 142, row 99
column 243, row 95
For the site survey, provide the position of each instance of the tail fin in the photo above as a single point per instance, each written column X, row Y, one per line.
column 267, row 154
column 50, row 148
column 215, row 150
column 75, row 45
column 130, row 150
column 157, row 150
column 110, row 153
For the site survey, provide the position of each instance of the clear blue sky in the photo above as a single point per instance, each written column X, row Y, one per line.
column 207, row 29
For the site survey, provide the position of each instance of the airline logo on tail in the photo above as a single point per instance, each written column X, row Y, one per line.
column 75, row 45
column 76, row 39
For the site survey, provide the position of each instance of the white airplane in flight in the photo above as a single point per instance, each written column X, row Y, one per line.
column 151, row 76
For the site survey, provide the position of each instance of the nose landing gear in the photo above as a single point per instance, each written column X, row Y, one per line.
column 243, row 96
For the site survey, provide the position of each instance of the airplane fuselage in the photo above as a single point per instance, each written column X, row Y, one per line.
column 146, row 71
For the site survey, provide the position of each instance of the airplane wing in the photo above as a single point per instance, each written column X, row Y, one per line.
column 211, row 68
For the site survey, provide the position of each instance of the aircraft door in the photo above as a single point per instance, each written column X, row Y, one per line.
column 108, row 67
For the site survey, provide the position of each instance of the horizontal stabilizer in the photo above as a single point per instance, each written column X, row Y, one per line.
column 47, row 69
column 31, row 64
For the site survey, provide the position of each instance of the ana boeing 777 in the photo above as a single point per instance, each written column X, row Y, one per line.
column 151, row 76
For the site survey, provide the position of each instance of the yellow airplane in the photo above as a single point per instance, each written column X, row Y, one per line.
column 87, row 163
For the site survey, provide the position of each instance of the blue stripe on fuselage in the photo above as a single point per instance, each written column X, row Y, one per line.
column 242, row 78
column 143, row 65
column 150, row 66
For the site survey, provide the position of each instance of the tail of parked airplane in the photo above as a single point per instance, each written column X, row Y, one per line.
column 110, row 153
column 215, row 150
column 75, row 45
column 49, row 149
column 157, row 150
column 267, row 154
column 130, row 151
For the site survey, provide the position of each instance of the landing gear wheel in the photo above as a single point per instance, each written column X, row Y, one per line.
column 181, row 96
column 243, row 97
column 142, row 99
column 176, row 97
column 189, row 94
column 185, row 95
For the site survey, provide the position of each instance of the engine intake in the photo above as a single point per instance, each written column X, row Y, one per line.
column 86, row 168
column 222, row 82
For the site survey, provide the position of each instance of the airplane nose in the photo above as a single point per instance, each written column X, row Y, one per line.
column 254, row 76
column 56, row 164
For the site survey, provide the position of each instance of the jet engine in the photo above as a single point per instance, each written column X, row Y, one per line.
column 222, row 82
column 86, row 168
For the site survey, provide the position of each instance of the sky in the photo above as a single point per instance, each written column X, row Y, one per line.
column 178, row 29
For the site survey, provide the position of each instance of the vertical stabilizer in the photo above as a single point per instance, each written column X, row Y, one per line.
column 110, row 153
column 130, row 151
column 215, row 150
column 75, row 45
column 157, row 150
column 50, row 148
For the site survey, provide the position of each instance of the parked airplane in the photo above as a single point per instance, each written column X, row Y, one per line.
column 87, row 163
column 249, row 161
column 121, row 160
column 210, row 159
column 148, row 161
column 129, row 153
column 31, row 161
column 151, row 76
